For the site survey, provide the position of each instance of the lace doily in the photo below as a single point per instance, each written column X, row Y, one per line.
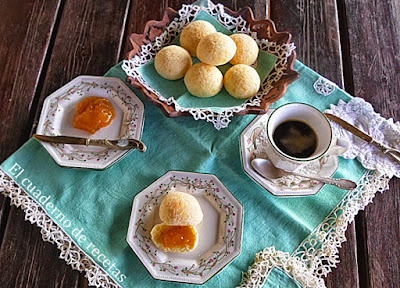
column 235, row 24
column 324, row 86
column 361, row 114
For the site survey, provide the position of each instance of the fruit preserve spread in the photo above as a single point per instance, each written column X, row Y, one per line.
column 93, row 113
column 179, row 237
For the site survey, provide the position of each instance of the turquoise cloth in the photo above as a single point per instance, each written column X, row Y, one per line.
column 279, row 279
column 93, row 207
column 98, row 203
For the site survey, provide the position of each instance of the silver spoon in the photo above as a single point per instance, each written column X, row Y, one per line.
column 265, row 168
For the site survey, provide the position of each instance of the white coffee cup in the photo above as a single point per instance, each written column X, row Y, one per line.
column 316, row 120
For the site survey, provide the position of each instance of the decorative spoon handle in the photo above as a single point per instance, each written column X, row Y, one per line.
column 341, row 183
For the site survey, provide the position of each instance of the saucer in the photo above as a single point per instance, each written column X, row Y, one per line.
column 253, row 145
column 220, row 232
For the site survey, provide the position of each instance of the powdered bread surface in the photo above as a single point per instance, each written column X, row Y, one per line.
column 179, row 208
column 193, row 33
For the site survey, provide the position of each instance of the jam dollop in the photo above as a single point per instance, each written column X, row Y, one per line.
column 179, row 237
column 93, row 113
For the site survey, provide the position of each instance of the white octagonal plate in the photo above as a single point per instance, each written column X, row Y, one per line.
column 220, row 232
column 252, row 145
column 57, row 118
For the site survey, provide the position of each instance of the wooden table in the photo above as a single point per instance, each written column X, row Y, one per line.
column 45, row 44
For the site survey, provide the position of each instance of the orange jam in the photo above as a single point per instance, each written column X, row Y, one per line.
column 93, row 113
column 178, row 237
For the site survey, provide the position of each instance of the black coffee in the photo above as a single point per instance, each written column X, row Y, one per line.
column 295, row 138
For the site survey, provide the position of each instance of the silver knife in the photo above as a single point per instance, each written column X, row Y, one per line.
column 119, row 144
column 394, row 153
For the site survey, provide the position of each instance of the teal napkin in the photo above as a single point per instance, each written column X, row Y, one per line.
column 97, row 204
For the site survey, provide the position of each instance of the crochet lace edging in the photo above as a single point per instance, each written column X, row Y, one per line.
column 51, row 232
column 270, row 258
column 315, row 257
column 319, row 252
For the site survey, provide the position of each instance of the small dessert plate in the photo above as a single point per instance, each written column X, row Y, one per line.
column 57, row 118
column 253, row 144
column 220, row 232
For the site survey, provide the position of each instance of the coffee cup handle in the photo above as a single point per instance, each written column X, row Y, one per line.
column 338, row 147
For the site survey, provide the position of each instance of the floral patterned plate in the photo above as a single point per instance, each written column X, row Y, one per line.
column 253, row 142
column 220, row 232
column 58, row 112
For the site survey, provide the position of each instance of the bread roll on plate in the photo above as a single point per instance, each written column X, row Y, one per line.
column 174, row 238
column 179, row 208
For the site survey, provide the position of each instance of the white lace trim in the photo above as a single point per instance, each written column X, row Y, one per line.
column 268, row 259
column 314, row 257
column 361, row 114
column 321, row 248
column 51, row 232
column 186, row 15
column 324, row 86
column 319, row 251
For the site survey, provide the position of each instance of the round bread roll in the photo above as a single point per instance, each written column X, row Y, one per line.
column 203, row 80
column 174, row 238
column 242, row 81
column 247, row 49
column 179, row 208
column 172, row 62
column 216, row 49
column 192, row 34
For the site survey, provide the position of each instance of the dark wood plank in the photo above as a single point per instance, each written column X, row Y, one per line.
column 374, row 61
column 23, row 48
column 141, row 12
column 27, row 261
column 308, row 21
column 4, row 212
column 315, row 30
column 347, row 268
column 87, row 41
column 25, row 41
column 383, row 238
column 259, row 7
